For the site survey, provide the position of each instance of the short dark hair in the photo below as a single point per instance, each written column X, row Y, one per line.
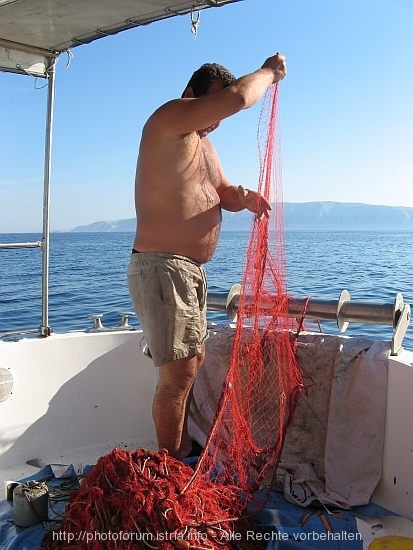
column 206, row 75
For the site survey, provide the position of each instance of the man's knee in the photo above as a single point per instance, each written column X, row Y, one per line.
column 179, row 375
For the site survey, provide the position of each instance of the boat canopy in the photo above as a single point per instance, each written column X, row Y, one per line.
column 34, row 32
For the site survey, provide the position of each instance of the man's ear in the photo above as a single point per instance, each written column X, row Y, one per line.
column 189, row 92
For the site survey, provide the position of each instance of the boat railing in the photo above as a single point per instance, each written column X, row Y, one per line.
column 343, row 311
column 44, row 244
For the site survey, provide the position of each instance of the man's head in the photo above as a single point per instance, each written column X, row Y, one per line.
column 208, row 79
column 205, row 76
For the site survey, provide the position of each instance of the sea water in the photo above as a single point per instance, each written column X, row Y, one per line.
column 87, row 275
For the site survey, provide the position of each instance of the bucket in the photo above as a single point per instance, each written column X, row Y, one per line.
column 30, row 503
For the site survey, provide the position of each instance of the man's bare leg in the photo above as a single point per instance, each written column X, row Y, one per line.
column 171, row 404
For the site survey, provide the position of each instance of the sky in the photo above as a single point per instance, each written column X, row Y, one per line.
column 346, row 108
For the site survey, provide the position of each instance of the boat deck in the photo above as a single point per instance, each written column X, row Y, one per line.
column 280, row 525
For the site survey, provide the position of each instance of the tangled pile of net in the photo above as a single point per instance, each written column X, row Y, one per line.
column 144, row 500
column 155, row 496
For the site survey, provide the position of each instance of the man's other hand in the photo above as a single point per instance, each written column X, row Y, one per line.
column 254, row 202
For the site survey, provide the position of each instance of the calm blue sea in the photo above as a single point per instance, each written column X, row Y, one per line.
column 88, row 275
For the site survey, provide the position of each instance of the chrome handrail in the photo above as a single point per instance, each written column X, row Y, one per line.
column 343, row 311
column 35, row 244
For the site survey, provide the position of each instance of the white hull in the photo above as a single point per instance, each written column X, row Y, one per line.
column 76, row 396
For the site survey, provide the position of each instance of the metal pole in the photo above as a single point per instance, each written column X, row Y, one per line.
column 44, row 328
column 322, row 310
column 36, row 244
column 343, row 311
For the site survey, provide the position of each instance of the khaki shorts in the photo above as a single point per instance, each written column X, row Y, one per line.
column 169, row 296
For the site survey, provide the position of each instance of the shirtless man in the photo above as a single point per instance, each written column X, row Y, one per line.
column 180, row 190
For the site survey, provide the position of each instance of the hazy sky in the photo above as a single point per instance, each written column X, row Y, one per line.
column 346, row 108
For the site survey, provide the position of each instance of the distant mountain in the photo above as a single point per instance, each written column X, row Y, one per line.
column 327, row 216
column 116, row 226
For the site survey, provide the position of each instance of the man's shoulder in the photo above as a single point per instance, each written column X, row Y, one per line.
column 164, row 118
column 165, row 108
column 162, row 130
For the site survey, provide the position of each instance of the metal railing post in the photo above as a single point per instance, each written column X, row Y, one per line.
column 44, row 328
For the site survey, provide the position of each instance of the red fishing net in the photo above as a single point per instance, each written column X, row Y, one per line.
column 144, row 494
column 144, row 500
column 264, row 379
